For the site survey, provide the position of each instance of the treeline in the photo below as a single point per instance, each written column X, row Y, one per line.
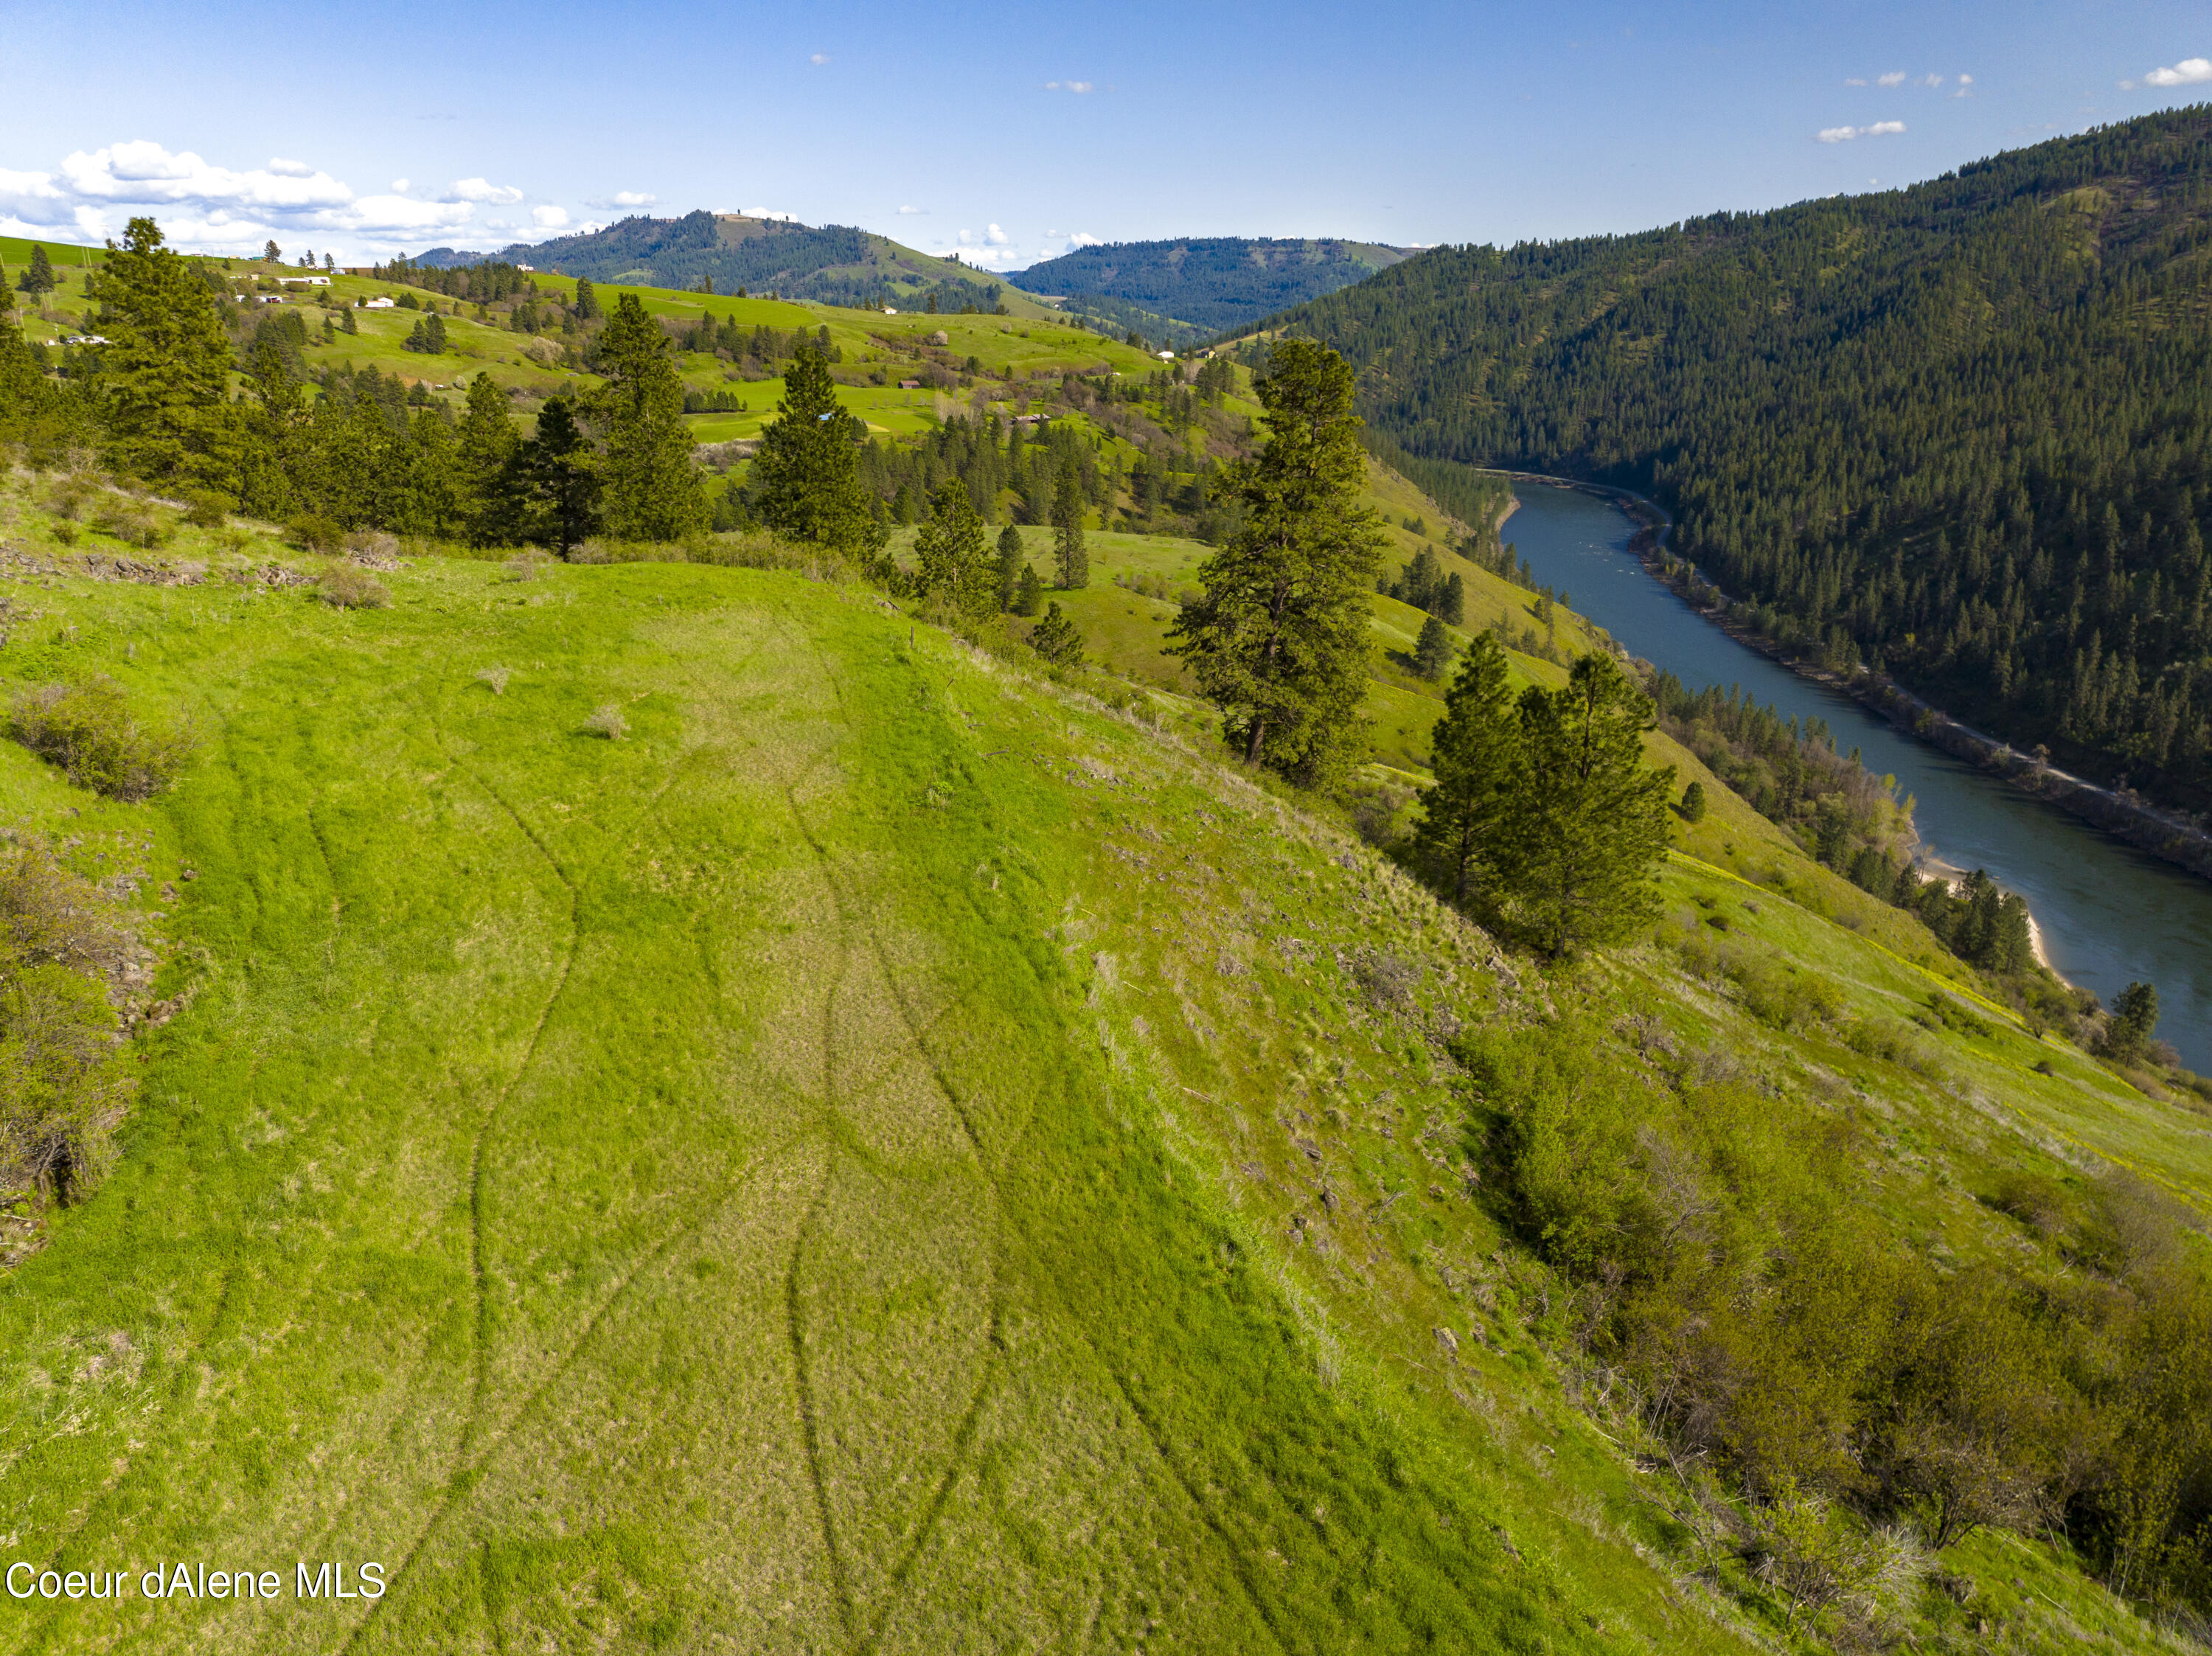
column 364, row 454
column 1962, row 433
column 487, row 283
column 1735, row 1279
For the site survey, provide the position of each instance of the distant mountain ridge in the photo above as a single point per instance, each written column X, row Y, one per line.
column 829, row 264
column 1208, row 283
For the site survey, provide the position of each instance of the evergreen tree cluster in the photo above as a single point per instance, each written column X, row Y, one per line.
column 1544, row 817
column 492, row 282
column 366, row 452
column 1960, row 433
column 1425, row 585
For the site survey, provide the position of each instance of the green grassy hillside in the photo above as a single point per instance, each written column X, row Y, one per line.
column 893, row 1153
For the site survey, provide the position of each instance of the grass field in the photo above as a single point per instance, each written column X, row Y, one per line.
column 889, row 1155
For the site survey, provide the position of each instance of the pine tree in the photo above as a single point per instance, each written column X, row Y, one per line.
column 1010, row 565
column 2134, row 1021
column 271, row 253
column 1451, row 601
column 485, row 452
column 1278, row 637
column 587, row 302
column 1590, row 824
column 39, row 279
column 1467, row 818
column 1693, row 803
column 653, row 491
column 1030, row 595
column 806, row 480
column 1072, row 562
column 166, row 381
column 952, row 562
column 560, row 479
column 434, row 335
column 1432, row 650
column 1055, row 639
column 347, row 323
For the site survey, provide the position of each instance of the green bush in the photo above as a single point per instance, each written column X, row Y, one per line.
column 204, row 509
column 87, row 729
column 315, row 532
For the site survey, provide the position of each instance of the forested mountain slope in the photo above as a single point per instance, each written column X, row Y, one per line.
column 1207, row 283
column 830, row 264
column 1962, row 431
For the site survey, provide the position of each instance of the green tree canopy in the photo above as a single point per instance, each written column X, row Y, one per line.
column 952, row 560
column 806, row 480
column 166, row 374
column 39, row 278
column 1071, row 561
column 1466, row 818
column 653, row 491
column 485, row 454
column 1591, row 818
column 1278, row 636
column 558, row 475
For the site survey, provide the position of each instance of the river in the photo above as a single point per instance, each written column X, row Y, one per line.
column 2109, row 914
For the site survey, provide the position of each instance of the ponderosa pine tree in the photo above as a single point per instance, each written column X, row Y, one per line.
column 1071, row 561
column 558, row 476
column 1278, row 636
column 1590, row 818
column 1010, row 565
column 806, row 480
column 1433, row 650
column 165, row 383
column 1467, row 819
column 652, row 489
column 952, row 560
column 587, row 302
column 483, row 457
column 38, row 280
column 1029, row 596
column 1055, row 639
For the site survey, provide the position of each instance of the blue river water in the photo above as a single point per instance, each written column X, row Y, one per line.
column 2108, row 914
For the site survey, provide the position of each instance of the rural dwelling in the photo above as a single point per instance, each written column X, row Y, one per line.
column 305, row 280
column 379, row 303
column 909, row 385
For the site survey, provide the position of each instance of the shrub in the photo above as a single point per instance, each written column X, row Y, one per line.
column 87, row 730
column 314, row 531
column 526, row 565
column 496, row 677
column 204, row 509
column 608, row 721
column 350, row 588
column 373, row 548
column 65, row 532
column 64, row 1084
column 129, row 522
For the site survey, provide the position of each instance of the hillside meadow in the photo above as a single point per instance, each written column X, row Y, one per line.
column 890, row 1151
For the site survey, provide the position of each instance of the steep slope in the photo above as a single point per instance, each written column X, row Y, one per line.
column 889, row 1155
column 1959, row 431
column 1197, row 286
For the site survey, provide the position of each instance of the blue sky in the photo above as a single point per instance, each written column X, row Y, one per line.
column 1010, row 132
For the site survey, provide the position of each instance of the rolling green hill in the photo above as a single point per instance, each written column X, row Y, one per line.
column 894, row 1152
column 832, row 264
column 1958, row 432
column 1195, row 287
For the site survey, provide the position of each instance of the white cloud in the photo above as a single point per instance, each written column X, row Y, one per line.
column 1845, row 134
column 819, row 58
column 995, row 235
column 400, row 186
column 2190, row 71
column 770, row 213
column 483, row 191
column 1966, row 80
column 1084, row 239
column 1854, row 80
column 1077, row 87
column 285, row 169
column 635, row 198
column 1895, row 78
column 549, row 218
column 1931, row 80
column 912, row 212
